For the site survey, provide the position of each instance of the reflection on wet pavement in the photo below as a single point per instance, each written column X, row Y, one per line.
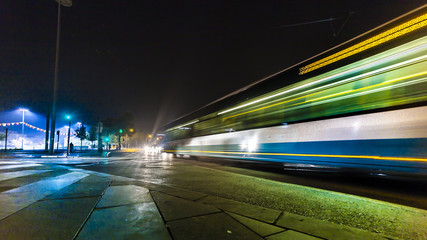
column 18, row 198
column 136, row 221
column 123, row 195
column 10, row 175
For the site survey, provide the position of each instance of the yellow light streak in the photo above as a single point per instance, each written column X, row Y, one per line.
column 338, row 75
column 307, row 155
column 367, row 87
column 332, row 95
column 374, row 41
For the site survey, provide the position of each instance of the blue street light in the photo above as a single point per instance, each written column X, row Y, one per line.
column 23, row 110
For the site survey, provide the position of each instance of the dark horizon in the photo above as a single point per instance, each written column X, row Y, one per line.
column 162, row 60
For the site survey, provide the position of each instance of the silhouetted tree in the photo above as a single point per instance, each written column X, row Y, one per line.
column 112, row 126
column 93, row 134
column 81, row 134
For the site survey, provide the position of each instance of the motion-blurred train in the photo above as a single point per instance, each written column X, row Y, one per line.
column 359, row 105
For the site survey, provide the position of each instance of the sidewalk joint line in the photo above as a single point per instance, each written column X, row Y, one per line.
column 65, row 198
column 121, row 205
column 200, row 215
column 90, row 214
column 163, row 218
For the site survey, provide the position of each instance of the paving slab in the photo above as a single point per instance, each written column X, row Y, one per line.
column 261, row 228
column 291, row 235
column 325, row 229
column 82, row 189
column 121, row 179
column 54, row 219
column 122, row 195
column 11, row 175
column 93, row 178
column 248, row 210
column 21, row 181
column 210, row 227
column 173, row 208
column 15, row 199
column 179, row 192
column 135, row 221
column 14, row 166
column 2, row 189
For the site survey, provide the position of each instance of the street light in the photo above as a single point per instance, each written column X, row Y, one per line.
column 106, row 140
column 127, row 143
column 69, row 130
column 23, row 110
column 120, row 138
column 65, row 3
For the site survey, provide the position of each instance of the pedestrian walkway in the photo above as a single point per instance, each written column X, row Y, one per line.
column 40, row 201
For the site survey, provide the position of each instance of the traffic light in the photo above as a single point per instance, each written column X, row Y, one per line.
column 120, row 131
column 107, row 139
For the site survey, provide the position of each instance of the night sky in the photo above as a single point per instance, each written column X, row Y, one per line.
column 162, row 59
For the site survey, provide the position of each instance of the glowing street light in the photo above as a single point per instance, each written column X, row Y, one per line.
column 131, row 131
column 106, row 140
column 23, row 110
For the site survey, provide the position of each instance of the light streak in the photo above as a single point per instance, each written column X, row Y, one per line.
column 374, row 41
column 183, row 125
column 307, row 155
column 378, row 62
column 305, row 96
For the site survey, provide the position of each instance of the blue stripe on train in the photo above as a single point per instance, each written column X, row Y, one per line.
column 413, row 148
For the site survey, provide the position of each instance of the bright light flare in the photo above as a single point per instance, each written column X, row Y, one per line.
column 250, row 145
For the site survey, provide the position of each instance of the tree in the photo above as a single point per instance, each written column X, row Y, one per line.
column 112, row 126
column 93, row 134
column 81, row 134
column 2, row 137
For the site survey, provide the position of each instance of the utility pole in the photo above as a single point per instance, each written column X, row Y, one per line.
column 46, row 143
column 5, row 141
column 99, row 137
column 23, row 123
column 69, row 131
column 57, row 143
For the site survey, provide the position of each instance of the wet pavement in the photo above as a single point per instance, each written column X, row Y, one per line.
column 152, row 196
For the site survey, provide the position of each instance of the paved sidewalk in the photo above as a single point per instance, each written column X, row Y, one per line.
column 40, row 201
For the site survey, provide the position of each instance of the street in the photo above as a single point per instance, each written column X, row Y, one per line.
column 195, row 200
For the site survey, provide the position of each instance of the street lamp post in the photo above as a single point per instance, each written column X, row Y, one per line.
column 66, row 3
column 57, row 142
column 23, row 123
column 120, row 138
column 127, row 143
column 5, row 141
column 69, row 131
